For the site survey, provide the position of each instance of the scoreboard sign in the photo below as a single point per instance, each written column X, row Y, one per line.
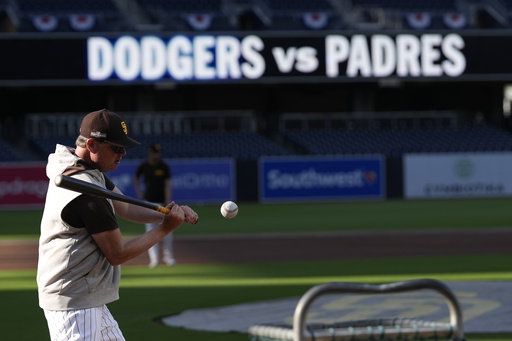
column 263, row 58
column 227, row 57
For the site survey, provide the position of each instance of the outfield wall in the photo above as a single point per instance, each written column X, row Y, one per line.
column 299, row 178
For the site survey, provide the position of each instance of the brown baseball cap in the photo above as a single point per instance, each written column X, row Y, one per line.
column 104, row 125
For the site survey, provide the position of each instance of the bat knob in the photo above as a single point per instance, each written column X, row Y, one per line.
column 58, row 180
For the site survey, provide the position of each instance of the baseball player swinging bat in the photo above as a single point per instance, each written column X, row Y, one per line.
column 84, row 187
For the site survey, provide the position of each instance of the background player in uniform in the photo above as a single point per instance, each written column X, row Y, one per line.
column 157, row 189
column 81, row 246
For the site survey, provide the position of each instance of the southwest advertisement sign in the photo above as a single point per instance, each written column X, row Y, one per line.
column 319, row 178
column 457, row 175
column 266, row 57
column 193, row 181
column 23, row 185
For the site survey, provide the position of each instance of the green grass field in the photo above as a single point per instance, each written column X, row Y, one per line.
column 147, row 294
column 313, row 217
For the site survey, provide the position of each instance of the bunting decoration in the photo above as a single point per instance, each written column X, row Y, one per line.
column 419, row 20
column 82, row 22
column 45, row 23
column 455, row 20
column 315, row 21
column 199, row 22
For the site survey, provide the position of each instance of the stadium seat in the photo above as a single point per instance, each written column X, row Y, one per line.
column 289, row 6
column 206, row 145
column 237, row 145
column 409, row 5
column 184, row 15
column 395, row 142
column 301, row 15
column 64, row 6
column 66, row 16
column 8, row 154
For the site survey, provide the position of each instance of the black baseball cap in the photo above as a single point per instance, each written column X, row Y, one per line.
column 104, row 125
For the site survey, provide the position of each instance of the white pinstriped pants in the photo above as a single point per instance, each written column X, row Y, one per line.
column 93, row 324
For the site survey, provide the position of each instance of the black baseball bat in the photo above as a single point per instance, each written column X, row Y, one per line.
column 85, row 187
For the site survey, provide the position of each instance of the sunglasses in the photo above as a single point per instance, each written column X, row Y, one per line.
column 115, row 149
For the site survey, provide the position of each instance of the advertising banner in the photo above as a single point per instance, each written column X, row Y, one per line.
column 476, row 55
column 23, row 185
column 193, row 181
column 457, row 175
column 321, row 178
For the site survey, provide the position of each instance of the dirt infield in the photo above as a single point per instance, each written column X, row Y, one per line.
column 304, row 247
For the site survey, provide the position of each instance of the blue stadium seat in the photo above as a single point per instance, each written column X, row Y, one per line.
column 103, row 15
column 183, row 15
column 204, row 145
column 301, row 15
column 8, row 154
column 395, row 142
column 46, row 146
column 409, row 5
column 290, row 6
column 198, row 145
column 416, row 14
column 186, row 6
column 56, row 6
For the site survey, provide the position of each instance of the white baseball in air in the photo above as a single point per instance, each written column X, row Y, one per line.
column 229, row 209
